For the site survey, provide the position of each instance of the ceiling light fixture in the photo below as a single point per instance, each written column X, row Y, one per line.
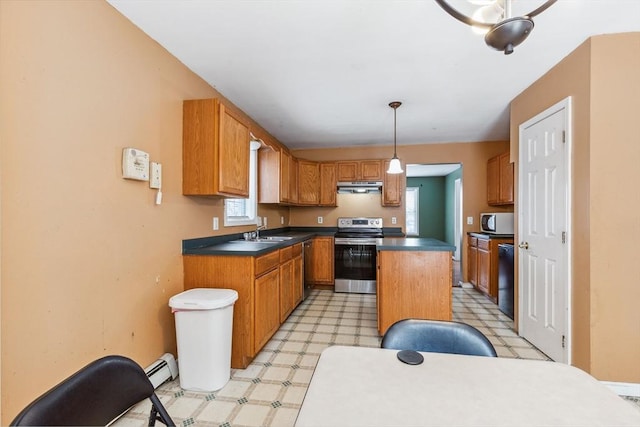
column 507, row 32
column 394, row 164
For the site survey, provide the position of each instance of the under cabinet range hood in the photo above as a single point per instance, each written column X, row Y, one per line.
column 359, row 187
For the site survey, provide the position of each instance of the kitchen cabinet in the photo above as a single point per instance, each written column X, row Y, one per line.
column 215, row 150
column 482, row 263
column 269, row 288
column 500, row 180
column 328, row 184
column 321, row 268
column 413, row 284
column 360, row 170
column 275, row 176
column 309, row 176
column 392, row 187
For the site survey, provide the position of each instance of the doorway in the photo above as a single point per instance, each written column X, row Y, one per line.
column 544, row 201
column 437, row 193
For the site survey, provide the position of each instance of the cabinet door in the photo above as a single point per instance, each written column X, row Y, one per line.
column 286, row 289
column 294, row 181
column 472, row 261
column 266, row 316
column 506, row 179
column 297, row 282
column 328, row 184
column 285, row 170
column 392, row 187
column 348, row 171
column 493, row 180
column 322, row 262
column 233, row 168
column 309, row 182
column 484, row 270
column 371, row 170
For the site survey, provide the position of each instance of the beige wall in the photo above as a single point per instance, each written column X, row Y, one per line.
column 472, row 156
column 601, row 76
column 88, row 261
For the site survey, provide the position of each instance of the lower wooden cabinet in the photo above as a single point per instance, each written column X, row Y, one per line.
column 482, row 263
column 321, row 268
column 269, row 288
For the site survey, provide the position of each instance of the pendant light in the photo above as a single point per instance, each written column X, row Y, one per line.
column 394, row 164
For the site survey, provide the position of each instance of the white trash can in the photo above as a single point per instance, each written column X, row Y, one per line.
column 204, row 320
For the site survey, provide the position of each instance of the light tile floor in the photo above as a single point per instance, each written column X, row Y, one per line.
column 269, row 392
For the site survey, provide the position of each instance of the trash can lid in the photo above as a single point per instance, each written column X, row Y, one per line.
column 203, row 299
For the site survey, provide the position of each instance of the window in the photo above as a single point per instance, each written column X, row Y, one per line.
column 412, row 198
column 245, row 211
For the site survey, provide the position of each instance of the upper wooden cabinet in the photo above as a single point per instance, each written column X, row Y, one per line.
column 392, row 187
column 500, row 180
column 328, row 183
column 360, row 170
column 309, row 182
column 294, row 181
column 215, row 150
column 277, row 182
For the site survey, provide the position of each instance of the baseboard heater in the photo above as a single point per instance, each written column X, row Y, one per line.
column 162, row 370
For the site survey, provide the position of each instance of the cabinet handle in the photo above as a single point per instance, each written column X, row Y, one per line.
column 524, row 245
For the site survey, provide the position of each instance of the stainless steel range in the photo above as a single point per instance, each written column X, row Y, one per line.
column 355, row 254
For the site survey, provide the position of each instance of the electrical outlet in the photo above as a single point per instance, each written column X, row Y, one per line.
column 469, row 220
column 320, row 220
column 264, row 221
column 394, row 220
column 281, row 220
column 216, row 224
column 156, row 176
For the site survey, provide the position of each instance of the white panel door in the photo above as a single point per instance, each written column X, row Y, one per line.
column 542, row 232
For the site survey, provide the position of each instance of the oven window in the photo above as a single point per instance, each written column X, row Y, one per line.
column 355, row 262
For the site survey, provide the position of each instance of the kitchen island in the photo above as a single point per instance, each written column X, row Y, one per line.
column 414, row 280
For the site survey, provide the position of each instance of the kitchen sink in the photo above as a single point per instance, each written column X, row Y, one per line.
column 273, row 239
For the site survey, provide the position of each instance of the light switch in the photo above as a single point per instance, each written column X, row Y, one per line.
column 319, row 220
column 281, row 220
column 216, row 224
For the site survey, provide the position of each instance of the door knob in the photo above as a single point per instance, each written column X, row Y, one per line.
column 524, row 245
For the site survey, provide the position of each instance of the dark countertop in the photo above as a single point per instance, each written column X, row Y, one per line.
column 413, row 244
column 232, row 244
column 489, row 236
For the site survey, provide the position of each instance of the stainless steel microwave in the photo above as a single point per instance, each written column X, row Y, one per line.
column 496, row 223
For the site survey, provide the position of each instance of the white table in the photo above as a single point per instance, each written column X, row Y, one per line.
column 359, row 386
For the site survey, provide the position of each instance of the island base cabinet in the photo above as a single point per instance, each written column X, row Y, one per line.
column 413, row 284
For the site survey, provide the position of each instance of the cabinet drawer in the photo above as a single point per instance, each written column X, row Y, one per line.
column 297, row 249
column 473, row 241
column 483, row 244
column 285, row 254
column 267, row 262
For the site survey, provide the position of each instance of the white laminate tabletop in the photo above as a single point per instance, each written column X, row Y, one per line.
column 360, row 386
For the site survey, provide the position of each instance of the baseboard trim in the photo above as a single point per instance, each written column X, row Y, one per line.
column 623, row 389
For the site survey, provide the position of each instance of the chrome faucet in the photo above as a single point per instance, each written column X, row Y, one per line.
column 258, row 228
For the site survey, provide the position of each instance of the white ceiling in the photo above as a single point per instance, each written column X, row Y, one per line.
column 321, row 73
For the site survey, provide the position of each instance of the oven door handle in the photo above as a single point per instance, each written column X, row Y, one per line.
column 347, row 241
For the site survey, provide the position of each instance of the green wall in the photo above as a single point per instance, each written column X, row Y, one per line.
column 436, row 205
column 431, row 207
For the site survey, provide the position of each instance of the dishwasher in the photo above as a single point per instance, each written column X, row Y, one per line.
column 505, row 278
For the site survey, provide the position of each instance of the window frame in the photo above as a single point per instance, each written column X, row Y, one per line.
column 251, row 202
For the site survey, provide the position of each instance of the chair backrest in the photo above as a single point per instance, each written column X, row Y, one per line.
column 437, row 336
column 95, row 395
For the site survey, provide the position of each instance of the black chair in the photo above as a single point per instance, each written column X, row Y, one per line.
column 437, row 336
column 95, row 395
